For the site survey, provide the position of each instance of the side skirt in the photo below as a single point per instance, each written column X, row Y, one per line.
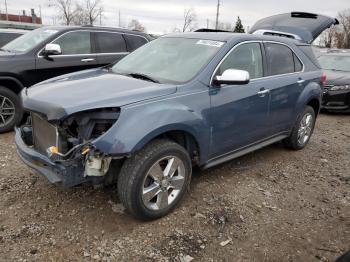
column 243, row 151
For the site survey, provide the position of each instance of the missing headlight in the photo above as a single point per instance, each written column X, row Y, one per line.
column 89, row 125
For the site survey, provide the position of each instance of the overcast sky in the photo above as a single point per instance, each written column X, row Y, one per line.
column 163, row 16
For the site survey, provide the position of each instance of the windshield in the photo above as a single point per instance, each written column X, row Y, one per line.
column 336, row 62
column 174, row 60
column 29, row 40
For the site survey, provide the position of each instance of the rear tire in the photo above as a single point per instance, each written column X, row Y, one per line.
column 11, row 111
column 302, row 130
column 154, row 180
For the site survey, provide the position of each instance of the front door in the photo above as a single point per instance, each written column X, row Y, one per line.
column 77, row 54
column 239, row 113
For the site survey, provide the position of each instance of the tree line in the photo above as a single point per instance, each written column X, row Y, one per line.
column 338, row 36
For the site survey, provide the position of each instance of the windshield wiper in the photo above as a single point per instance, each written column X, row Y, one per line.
column 143, row 76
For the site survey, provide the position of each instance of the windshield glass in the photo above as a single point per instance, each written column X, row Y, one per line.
column 336, row 62
column 174, row 60
column 29, row 40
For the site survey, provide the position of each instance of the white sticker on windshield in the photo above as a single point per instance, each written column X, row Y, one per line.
column 210, row 43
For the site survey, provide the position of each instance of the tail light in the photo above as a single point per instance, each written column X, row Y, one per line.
column 324, row 80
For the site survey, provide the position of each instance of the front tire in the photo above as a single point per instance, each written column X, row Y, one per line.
column 302, row 130
column 10, row 110
column 153, row 181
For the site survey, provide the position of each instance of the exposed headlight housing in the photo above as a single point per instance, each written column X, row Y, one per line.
column 340, row 88
column 91, row 124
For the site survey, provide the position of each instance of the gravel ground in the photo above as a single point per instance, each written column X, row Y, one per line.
column 271, row 205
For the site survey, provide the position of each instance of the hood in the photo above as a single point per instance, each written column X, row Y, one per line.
column 92, row 89
column 337, row 78
column 305, row 27
column 4, row 55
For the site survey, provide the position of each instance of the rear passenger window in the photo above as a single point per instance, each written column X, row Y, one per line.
column 134, row 42
column 280, row 59
column 246, row 57
column 110, row 43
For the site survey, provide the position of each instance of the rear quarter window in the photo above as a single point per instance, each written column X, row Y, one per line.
column 134, row 41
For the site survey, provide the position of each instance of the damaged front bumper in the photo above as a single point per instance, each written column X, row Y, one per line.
column 66, row 173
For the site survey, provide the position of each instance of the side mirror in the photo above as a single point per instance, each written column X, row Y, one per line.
column 233, row 77
column 52, row 49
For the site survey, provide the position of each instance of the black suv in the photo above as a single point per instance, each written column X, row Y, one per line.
column 52, row 51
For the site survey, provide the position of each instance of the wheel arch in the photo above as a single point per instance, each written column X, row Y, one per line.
column 11, row 83
column 180, row 135
column 315, row 104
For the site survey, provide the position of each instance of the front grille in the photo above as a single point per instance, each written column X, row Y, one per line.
column 45, row 134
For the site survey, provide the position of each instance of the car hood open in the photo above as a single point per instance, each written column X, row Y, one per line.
column 305, row 27
column 62, row 96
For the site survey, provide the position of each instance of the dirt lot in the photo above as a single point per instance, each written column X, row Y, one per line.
column 272, row 205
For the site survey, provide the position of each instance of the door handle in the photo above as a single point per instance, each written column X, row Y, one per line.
column 264, row 92
column 87, row 60
column 301, row 81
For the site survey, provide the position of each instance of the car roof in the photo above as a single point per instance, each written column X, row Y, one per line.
column 228, row 36
column 95, row 28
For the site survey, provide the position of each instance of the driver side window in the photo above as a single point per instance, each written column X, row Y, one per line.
column 74, row 43
column 246, row 57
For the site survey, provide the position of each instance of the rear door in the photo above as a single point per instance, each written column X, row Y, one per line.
column 77, row 54
column 305, row 27
column 110, row 47
column 285, row 83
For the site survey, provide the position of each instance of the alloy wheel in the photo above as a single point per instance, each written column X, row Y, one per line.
column 163, row 183
column 7, row 111
column 305, row 129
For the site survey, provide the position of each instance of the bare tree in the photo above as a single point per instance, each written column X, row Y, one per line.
column 136, row 25
column 328, row 38
column 65, row 9
column 344, row 20
column 190, row 17
column 93, row 10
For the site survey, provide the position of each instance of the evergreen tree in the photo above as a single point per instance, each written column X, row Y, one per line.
column 239, row 27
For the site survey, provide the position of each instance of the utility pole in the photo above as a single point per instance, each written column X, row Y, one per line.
column 100, row 16
column 119, row 19
column 207, row 23
column 7, row 14
column 217, row 15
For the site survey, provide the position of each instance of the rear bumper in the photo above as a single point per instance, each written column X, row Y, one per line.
column 336, row 101
column 68, row 174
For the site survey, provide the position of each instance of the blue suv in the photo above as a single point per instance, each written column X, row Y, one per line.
column 199, row 98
